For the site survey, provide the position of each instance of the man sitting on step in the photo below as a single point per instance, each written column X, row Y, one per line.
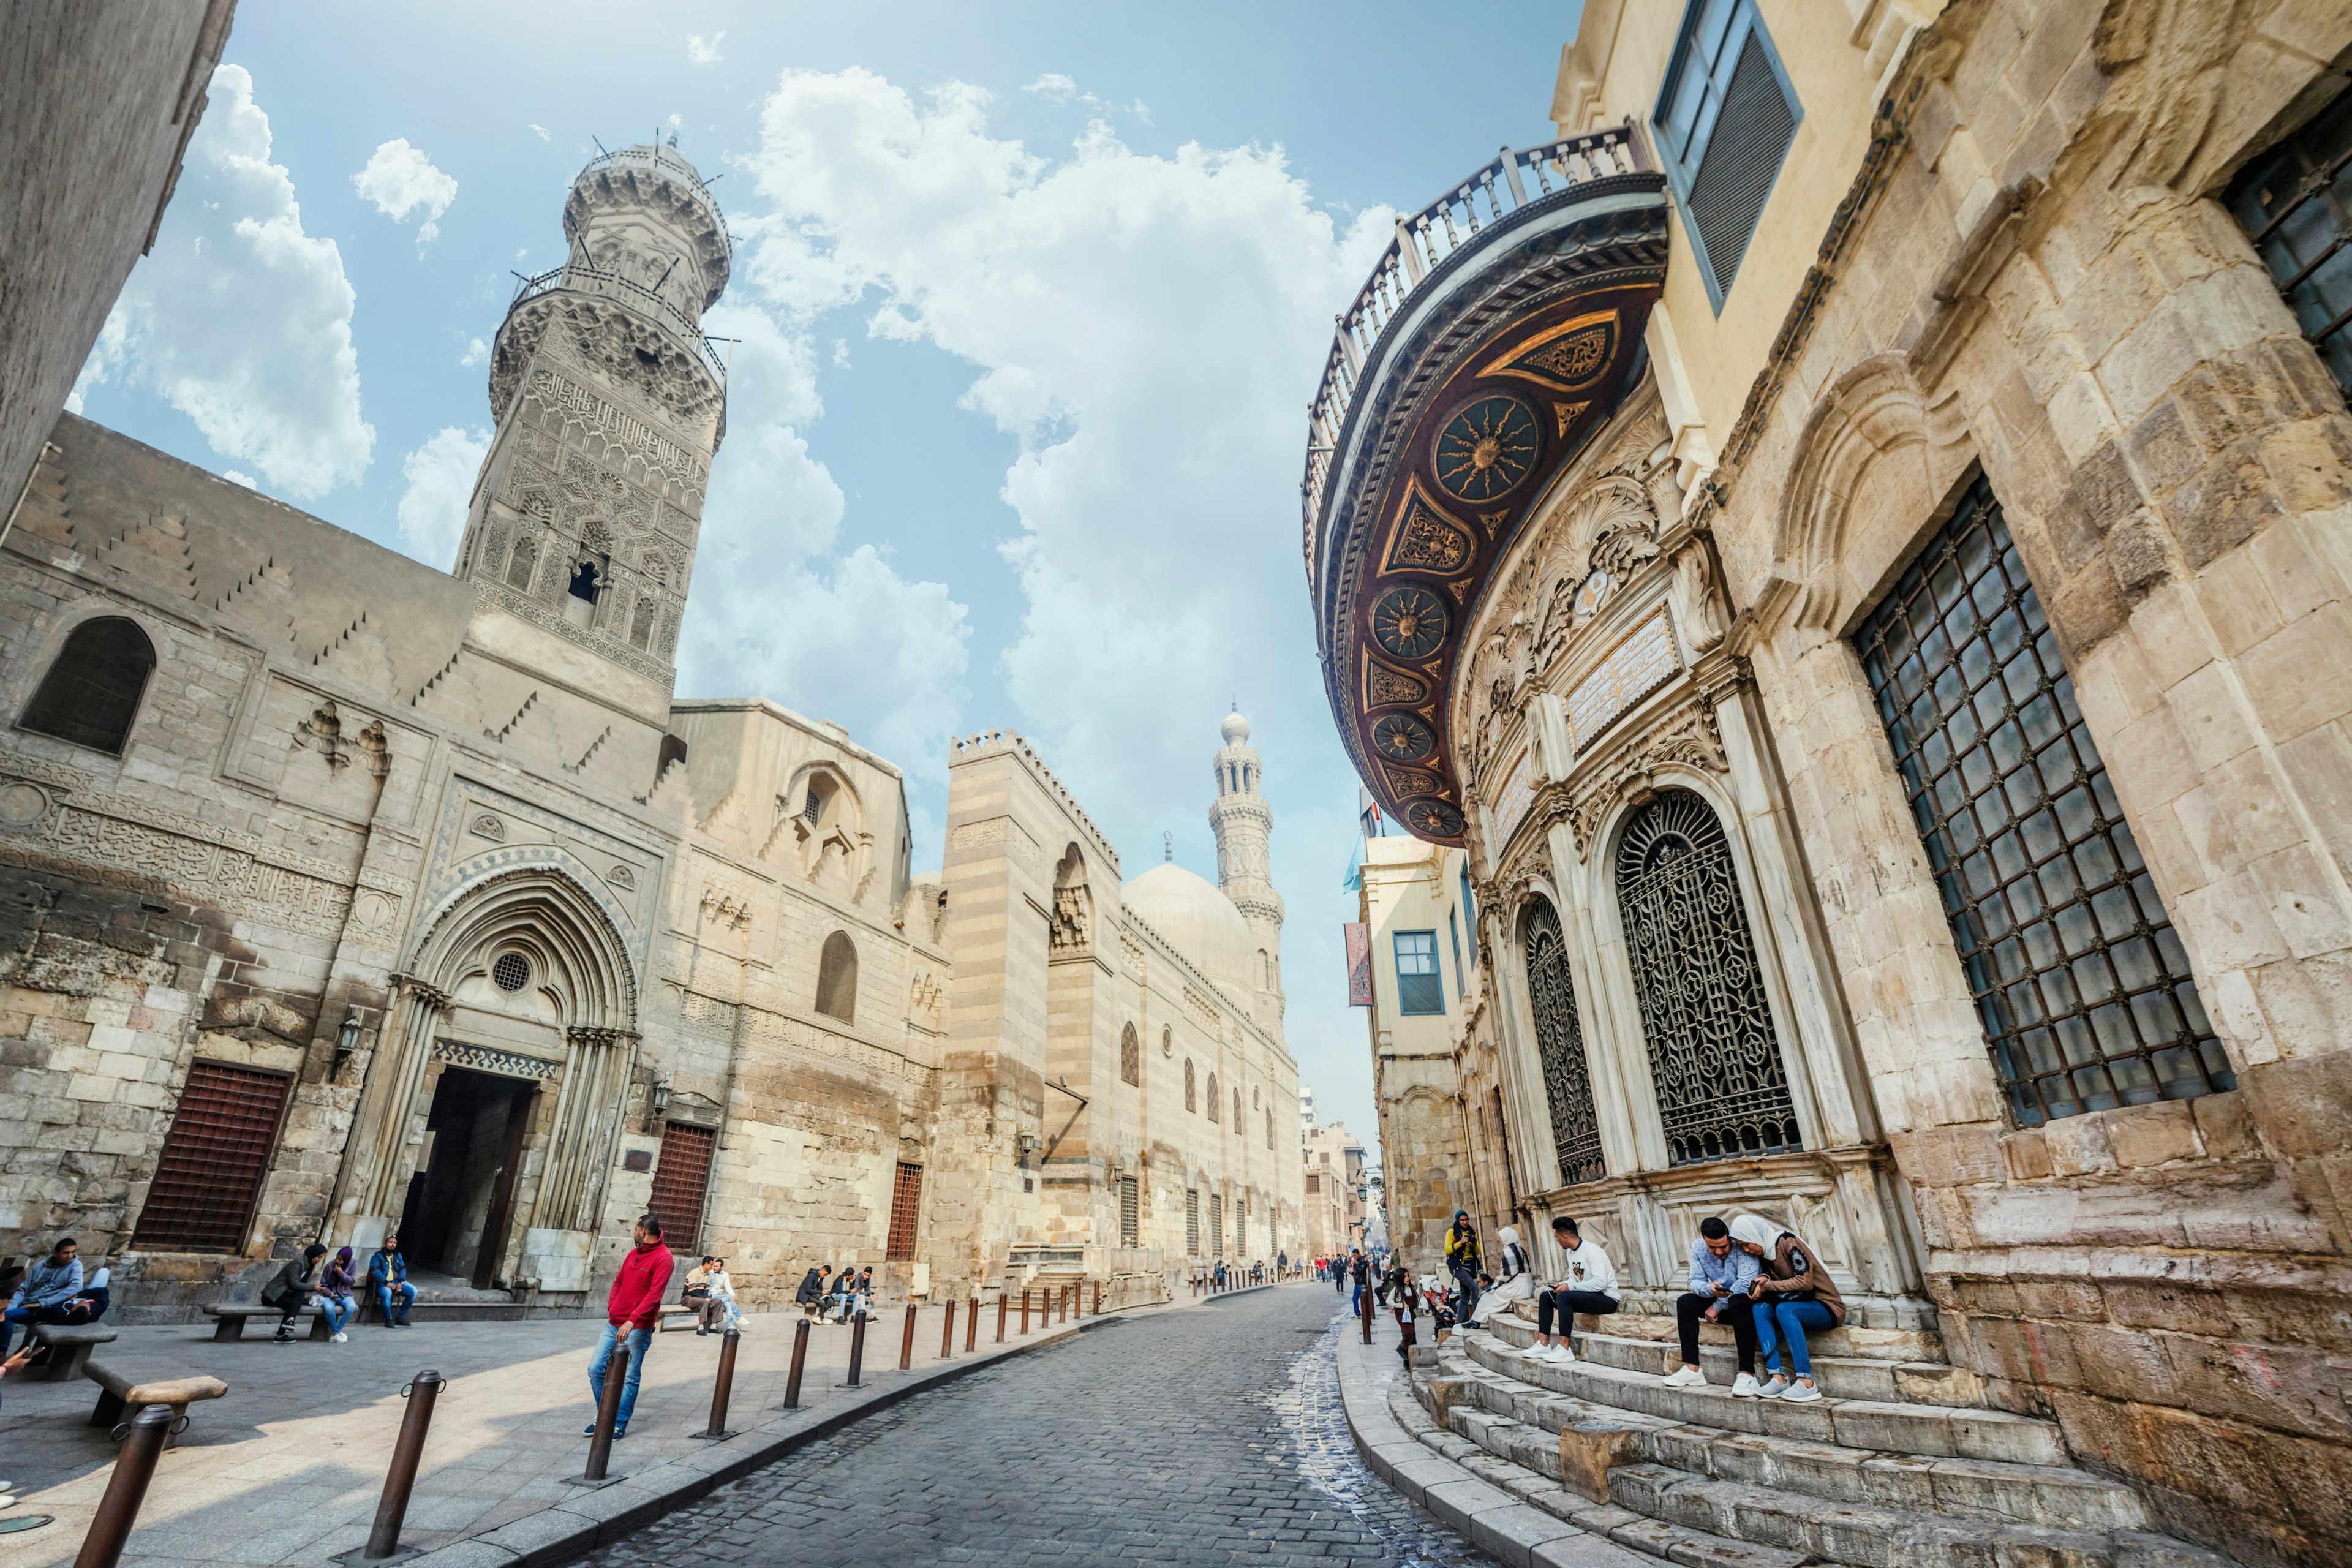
column 1720, row 1275
column 1589, row 1286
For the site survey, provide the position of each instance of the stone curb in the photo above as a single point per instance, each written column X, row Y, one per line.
column 579, row 1524
column 1475, row 1509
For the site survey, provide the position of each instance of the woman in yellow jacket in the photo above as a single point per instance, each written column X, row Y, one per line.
column 1462, row 1260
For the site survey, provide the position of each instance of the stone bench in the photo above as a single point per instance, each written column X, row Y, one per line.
column 232, row 1316
column 118, row 1395
column 69, row 1345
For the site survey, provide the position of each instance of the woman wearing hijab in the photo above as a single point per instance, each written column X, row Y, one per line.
column 1514, row 1283
column 1461, row 1260
column 338, row 1295
column 1791, row 1294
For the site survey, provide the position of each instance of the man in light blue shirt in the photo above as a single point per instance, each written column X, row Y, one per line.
column 54, row 1281
column 1720, row 1274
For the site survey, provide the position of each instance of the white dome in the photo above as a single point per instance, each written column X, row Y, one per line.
column 1199, row 920
column 1236, row 728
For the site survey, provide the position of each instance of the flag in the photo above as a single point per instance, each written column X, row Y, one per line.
column 1359, row 963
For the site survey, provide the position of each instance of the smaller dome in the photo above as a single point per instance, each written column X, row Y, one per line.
column 1236, row 730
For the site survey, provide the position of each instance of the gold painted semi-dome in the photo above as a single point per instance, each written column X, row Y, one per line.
column 1201, row 921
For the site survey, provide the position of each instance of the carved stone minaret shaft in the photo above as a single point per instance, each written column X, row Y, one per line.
column 610, row 404
column 1244, row 824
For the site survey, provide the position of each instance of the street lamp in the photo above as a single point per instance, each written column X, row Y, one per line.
column 657, row 1103
column 347, row 1039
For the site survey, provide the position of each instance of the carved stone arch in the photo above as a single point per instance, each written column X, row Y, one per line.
column 1873, row 463
column 1073, row 927
column 822, row 816
column 1610, row 525
column 549, row 913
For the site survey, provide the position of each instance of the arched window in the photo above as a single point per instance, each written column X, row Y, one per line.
column 1722, row 1091
column 1130, row 1057
column 585, row 581
column 1189, row 1103
column 522, row 564
column 641, row 623
column 836, row 978
column 820, row 791
column 1560, row 1048
column 1214, row 1113
column 91, row 693
column 1269, row 1126
column 1237, row 1113
column 1264, row 970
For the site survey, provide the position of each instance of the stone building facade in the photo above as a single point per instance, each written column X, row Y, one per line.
column 346, row 895
column 1879, row 635
column 1334, row 1195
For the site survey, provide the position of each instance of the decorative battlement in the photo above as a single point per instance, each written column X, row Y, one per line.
column 987, row 743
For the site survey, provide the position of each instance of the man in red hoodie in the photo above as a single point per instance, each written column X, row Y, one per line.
column 633, row 1308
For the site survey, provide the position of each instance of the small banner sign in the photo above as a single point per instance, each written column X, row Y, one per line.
column 1359, row 963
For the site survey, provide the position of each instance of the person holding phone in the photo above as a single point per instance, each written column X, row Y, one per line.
column 1721, row 1273
column 1792, row 1293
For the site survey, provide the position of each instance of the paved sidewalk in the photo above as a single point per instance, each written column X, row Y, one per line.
column 288, row 1466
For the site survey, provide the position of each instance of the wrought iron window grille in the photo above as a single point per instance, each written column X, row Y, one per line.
column 1560, row 1046
column 2295, row 203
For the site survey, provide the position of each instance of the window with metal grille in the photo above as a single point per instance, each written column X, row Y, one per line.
column 1189, row 1093
column 906, row 1207
column 1129, row 1223
column 2295, row 202
column 1313, row 1186
column 1560, row 1048
column 2081, row 983
column 1193, row 1221
column 1420, row 988
column 1216, row 1225
column 1724, row 121
column 214, row 1160
column 1214, row 1114
column 91, row 693
column 1130, row 1058
column 681, row 1176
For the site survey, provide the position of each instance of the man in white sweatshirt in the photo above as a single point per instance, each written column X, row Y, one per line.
column 1589, row 1285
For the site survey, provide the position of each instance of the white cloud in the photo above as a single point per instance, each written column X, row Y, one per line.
column 241, row 320
column 705, row 52
column 775, row 611
column 476, row 351
column 232, row 477
column 440, row 478
column 1053, row 85
column 400, row 179
column 543, row 132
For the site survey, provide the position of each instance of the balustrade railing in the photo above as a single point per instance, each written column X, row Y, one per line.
column 586, row 280
column 1423, row 241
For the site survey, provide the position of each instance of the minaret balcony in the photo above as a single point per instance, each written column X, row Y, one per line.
column 583, row 278
column 1493, row 340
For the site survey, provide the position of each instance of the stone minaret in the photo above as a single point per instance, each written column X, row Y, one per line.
column 1243, row 823
column 609, row 404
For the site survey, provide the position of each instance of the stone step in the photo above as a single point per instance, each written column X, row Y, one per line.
column 1851, row 1338
column 1693, row 1517
column 1839, row 1376
column 1894, row 1427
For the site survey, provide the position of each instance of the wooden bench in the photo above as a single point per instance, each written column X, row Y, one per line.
column 69, row 1345
column 232, row 1317
column 117, row 1394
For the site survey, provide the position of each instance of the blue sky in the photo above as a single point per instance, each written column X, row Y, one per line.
column 1031, row 298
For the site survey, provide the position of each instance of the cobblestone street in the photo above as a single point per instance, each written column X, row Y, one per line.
column 1205, row 1437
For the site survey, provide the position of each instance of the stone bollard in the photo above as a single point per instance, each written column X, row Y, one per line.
column 856, row 1348
column 392, row 1510
column 800, row 1360
column 723, row 1388
column 126, row 1488
column 906, row 1341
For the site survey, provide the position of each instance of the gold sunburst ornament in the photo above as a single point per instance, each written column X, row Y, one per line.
column 1486, row 449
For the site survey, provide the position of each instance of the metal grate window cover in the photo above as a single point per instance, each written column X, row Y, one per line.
column 680, row 1178
column 1722, row 1091
column 1128, row 1222
column 1560, row 1046
column 214, row 1160
column 2295, row 203
column 1217, row 1224
column 906, row 1208
column 1193, row 1221
column 2081, row 986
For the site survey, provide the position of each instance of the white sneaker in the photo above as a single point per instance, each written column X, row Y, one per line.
column 341, row 1338
column 1801, row 1393
column 1774, row 1387
column 1686, row 1377
column 1745, row 1386
column 1560, row 1355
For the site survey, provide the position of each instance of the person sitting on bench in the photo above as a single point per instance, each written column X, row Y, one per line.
column 388, row 1281
column 289, row 1290
column 43, row 1295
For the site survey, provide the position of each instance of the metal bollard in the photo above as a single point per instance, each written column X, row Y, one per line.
column 800, row 1360
column 906, row 1341
column 857, row 1346
column 608, row 1412
column 401, row 1479
column 126, row 1488
column 1367, row 1317
column 1002, row 1301
column 1024, row 1308
column 947, row 1332
column 971, row 1321
column 723, row 1388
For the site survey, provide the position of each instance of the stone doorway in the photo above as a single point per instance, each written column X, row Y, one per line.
column 461, row 1200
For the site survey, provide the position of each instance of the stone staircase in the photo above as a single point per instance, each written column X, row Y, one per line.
column 1895, row 1466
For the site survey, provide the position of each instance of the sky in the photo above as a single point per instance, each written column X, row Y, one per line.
column 1028, row 304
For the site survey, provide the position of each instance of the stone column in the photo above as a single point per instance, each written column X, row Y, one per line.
column 375, row 1165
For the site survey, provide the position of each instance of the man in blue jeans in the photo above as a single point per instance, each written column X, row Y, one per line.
column 632, row 1307
column 388, row 1281
column 45, row 1293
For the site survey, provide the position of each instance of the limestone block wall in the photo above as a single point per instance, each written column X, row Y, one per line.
column 2032, row 280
